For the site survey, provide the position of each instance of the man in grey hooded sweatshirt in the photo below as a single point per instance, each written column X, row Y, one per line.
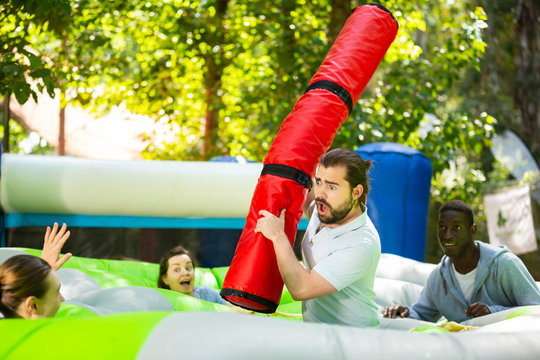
column 473, row 278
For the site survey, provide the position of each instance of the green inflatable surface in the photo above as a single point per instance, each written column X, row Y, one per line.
column 113, row 310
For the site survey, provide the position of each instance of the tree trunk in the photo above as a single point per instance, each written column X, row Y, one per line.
column 213, row 102
column 62, row 113
column 528, row 72
column 215, row 64
column 286, row 52
column 61, row 129
column 7, row 115
column 341, row 10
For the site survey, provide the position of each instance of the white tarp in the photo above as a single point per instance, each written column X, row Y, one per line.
column 509, row 219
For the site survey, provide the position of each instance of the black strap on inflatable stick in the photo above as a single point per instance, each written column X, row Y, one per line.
column 334, row 88
column 270, row 305
column 288, row 172
column 291, row 173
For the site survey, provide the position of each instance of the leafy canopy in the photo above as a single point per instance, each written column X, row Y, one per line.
column 158, row 58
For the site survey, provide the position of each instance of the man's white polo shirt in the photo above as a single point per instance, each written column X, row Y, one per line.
column 347, row 257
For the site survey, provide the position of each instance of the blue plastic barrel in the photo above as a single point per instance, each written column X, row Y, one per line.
column 399, row 197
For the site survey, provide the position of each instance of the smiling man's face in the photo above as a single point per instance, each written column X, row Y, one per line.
column 456, row 235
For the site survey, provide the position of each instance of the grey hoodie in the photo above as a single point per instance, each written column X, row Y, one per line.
column 502, row 281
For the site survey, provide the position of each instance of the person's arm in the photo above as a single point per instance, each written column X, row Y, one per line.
column 53, row 242
column 425, row 308
column 302, row 283
column 518, row 285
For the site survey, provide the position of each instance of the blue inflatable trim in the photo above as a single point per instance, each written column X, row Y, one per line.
column 34, row 219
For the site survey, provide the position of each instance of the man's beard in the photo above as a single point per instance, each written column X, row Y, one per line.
column 334, row 216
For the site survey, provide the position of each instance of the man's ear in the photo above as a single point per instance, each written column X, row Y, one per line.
column 358, row 191
column 473, row 229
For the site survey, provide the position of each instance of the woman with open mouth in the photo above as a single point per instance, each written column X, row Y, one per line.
column 177, row 273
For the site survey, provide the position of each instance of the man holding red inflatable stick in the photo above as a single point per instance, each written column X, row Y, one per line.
column 341, row 247
column 253, row 280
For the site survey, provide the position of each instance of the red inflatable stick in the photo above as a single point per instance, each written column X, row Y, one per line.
column 253, row 280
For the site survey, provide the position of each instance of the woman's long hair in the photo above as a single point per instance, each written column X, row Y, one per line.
column 21, row 276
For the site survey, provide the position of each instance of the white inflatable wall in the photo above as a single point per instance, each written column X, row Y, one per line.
column 65, row 185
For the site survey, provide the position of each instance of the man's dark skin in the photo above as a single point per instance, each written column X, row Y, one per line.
column 456, row 238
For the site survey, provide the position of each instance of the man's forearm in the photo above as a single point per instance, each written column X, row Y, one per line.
column 293, row 273
column 302, row 283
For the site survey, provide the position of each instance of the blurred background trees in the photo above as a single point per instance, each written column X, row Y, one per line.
column 223, row 74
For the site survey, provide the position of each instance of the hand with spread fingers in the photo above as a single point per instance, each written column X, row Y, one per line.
column 52, row 246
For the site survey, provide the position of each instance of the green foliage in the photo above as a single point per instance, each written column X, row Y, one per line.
column 176, row 60
column 18, row 61
column 415, row 96
column 496, row 85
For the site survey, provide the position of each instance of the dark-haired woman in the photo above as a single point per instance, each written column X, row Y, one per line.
column 29, row 287
column 177, row 272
